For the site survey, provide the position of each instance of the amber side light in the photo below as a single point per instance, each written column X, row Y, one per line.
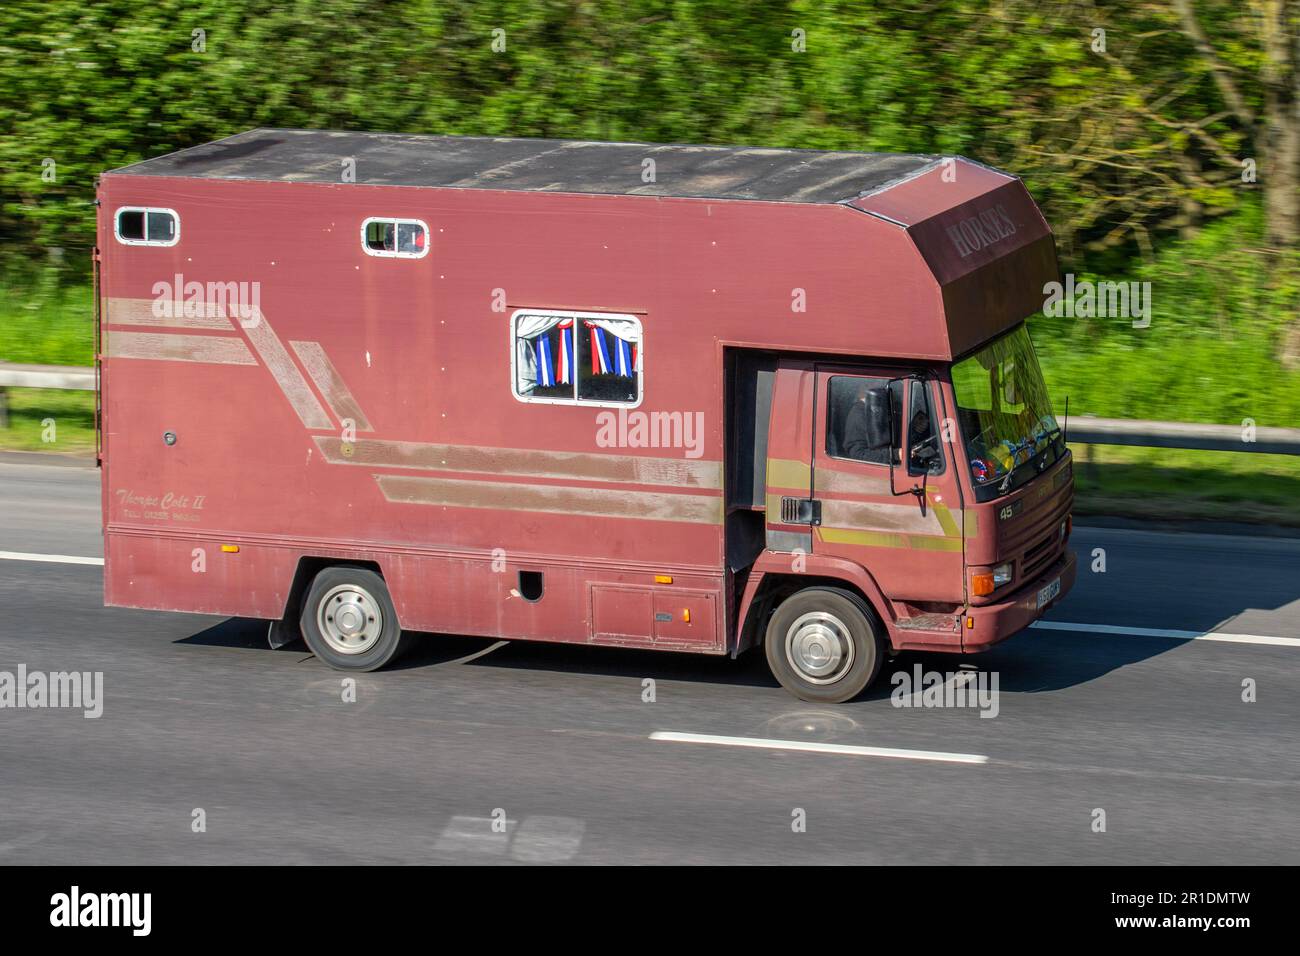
column 981, row 584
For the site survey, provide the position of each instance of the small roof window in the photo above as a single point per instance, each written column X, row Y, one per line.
column 145, row 226
column 399, row 238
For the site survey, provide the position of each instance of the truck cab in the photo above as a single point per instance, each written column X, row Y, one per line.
column 939, row 493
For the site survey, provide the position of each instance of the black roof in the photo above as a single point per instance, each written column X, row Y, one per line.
column 553, row 165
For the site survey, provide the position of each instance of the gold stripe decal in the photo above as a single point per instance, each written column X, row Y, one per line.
column 841, row 482
column 906, row 518
column 785, row 473
column 286, row 374
column 629, row 469
column 141, row 312
column 217, row 350
column 946, row 520
column 883, row 539
column 876, row 524
column 585, row 502
column 330, row 384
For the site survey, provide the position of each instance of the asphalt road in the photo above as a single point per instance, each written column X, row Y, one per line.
column 199, row 715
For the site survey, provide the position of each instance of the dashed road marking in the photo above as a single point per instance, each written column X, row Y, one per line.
column 845, row 750
column 1225, row 637
column 49, row 558
column 538, row 839
column 547, row 839
column 476, row 835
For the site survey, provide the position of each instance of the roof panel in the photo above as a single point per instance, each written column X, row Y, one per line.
column 575, row 166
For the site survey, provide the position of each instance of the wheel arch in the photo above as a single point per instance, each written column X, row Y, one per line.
column 310, row 565
column 771, row 580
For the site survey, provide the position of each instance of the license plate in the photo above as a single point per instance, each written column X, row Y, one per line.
column 1048, row 594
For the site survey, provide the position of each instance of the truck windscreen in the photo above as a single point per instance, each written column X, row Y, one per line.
column 1003, row 408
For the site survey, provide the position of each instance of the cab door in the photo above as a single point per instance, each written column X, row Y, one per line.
column 907, row 531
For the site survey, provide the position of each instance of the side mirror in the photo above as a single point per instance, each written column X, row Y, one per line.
column 880, row 431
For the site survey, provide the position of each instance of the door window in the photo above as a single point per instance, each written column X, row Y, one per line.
column 848, row 417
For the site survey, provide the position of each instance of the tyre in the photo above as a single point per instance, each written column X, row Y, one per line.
column 824, row 645
column 348, row 620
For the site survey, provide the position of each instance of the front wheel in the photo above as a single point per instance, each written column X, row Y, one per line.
column 348, row 619
column 823, row 645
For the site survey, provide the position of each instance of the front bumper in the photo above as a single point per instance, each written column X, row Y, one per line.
column 988, row 624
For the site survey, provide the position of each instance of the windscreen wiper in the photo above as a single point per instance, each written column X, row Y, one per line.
column 1006, row 482
column 1015, row 452
column 1031, row 444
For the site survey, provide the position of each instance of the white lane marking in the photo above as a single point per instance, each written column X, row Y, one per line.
column 1164, row 632
column 476, row 835
column 812, row 747
column 547, row 839
column 49, row 558
column 538, row 839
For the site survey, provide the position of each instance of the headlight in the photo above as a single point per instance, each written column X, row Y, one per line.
column 984, row 583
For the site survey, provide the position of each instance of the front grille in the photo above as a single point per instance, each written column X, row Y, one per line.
column 1039, row 556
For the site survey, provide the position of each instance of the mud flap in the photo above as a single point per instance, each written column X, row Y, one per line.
column 282, row 633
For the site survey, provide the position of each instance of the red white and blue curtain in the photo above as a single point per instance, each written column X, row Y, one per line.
column 612, row 353
column 555, row 369
column 545, row 366
column 566, row 362
column 544, row 359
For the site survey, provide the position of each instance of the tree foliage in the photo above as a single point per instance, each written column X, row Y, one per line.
column 1124, row 142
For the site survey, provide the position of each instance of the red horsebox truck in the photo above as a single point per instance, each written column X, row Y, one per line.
column 689, row 398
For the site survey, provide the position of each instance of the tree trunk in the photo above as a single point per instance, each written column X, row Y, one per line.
column 1282, row 194
column 1281, row 124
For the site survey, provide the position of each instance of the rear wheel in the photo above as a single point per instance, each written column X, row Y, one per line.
column 348, row 619
column 824, row 645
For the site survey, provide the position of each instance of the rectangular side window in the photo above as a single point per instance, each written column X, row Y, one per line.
column 160, row 227
column 396, row 238
column 576, row 357
column 130, row 224
column 143, row 226
column 380, row 236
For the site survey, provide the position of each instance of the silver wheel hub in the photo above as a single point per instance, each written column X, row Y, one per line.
column 819, row 647
column 349, row 619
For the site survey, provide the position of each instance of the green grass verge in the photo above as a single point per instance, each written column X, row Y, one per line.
column 1178, row 484
column 47, row 325
column 1220, row 305
column 37, row 415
